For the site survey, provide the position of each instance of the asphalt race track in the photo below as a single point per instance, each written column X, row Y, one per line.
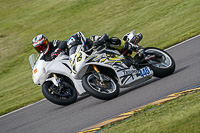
column 46, row 117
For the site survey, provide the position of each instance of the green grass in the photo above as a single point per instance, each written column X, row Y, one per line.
column 162, row 22
column 177, row 116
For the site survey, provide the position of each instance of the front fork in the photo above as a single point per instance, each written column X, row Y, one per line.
column 58, row 80
column 61, row 86
column 98, row 72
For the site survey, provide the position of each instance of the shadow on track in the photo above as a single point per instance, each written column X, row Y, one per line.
column 129, row 89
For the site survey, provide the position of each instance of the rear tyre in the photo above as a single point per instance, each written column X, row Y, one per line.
column 107, row 90
column 162, row 66
column 66, row 96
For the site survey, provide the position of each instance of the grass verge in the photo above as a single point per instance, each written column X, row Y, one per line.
column 162, row 22
column 180, row 115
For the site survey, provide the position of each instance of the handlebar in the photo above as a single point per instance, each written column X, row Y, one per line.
column 89, row 50
column 95, row 47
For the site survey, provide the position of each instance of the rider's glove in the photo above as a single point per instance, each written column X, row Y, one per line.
column 55, row 53
column 56, row 43
column 97, row 43
column 102, row 40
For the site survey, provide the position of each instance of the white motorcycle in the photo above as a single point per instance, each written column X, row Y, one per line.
column 58, row 86
column 102, row 72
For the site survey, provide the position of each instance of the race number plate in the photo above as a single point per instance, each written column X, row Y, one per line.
column 145, row 72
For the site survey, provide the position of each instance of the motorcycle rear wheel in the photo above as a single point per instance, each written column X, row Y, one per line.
column 104, row 91
column 163, row 66
column 56, row 98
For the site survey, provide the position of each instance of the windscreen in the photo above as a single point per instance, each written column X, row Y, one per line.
column 33, row 59
column 72, row 50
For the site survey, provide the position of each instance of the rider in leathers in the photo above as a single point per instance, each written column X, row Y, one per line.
column 52, row 49
column 125, row 46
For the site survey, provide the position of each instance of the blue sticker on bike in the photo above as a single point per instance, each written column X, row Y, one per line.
column 144, row 72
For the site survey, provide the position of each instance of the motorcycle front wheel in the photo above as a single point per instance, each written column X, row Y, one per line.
column 105, row 90
column 163, row 65
column 57, row 96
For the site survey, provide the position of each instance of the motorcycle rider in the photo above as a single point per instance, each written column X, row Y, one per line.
column 128, row 43
column 50, row 49
column 125, row 46
column 53, row 49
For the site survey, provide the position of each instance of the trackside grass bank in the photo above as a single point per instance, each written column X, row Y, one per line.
column 177, row 116
column 162, row 22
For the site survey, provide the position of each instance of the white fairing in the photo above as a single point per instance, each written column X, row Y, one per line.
column 42, row 69
column 38, row 72
column 124, row 75
column 78, row 65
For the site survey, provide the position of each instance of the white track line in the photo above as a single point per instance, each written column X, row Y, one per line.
column 22, row 108
column 182, row 42
column 45, row 99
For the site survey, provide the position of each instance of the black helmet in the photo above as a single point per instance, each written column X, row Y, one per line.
column 114, row 41
column 76, row 39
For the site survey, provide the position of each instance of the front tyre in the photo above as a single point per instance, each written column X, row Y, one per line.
column 163, row 65
column 66, row 96
column 106, row 90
